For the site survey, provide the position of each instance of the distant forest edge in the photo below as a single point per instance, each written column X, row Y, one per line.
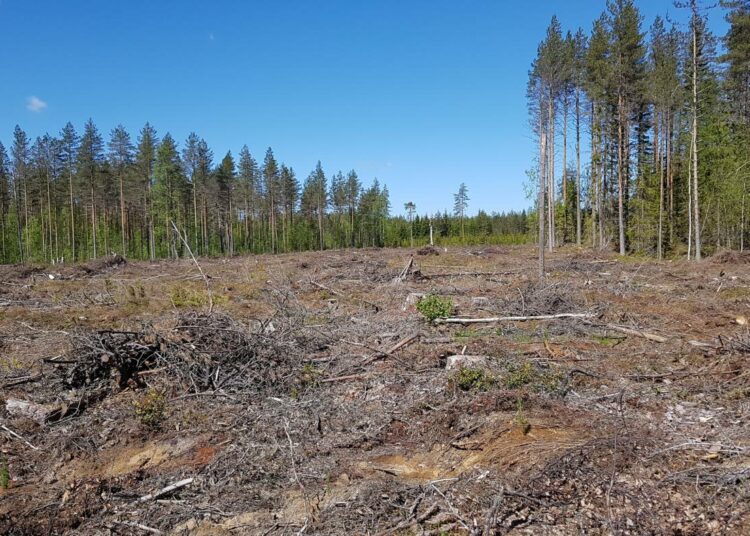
column 70, row 197
column 643, row 137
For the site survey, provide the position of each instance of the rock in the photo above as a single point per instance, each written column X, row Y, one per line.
column 455, row 362
column 30, row 410
column 412, row 299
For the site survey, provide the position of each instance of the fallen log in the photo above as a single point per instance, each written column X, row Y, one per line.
column 511, row 318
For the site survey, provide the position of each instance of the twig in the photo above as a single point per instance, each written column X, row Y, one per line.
column 164, row 491
column 511, row 318
column 138, row 526
column 203, row 275
column 11, row 432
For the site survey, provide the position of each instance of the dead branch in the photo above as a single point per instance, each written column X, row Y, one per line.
column 511, row 318
column 138, row 526
column 21, row 381
column 405, row 271
column 203, row 275
column 164, row 491
column 11, row 432
column 637, row 333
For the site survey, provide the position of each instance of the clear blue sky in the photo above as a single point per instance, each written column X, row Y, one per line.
column 421, row 94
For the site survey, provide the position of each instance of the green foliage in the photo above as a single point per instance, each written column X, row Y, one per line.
column 473, row 379
column 433, row 307
column 527, row 375
column 4, row 474
column 182, row 296
column 310, row 374
column 520, row 419
column 610, row 342
column 151, row 408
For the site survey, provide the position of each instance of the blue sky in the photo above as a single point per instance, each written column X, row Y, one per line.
column 422, row 94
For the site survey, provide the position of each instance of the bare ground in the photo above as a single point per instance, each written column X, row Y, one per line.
column 314, row 398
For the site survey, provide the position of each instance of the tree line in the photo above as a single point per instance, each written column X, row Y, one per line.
column 650, row 130
column 76, row 196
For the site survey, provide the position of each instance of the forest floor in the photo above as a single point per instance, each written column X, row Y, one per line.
column 315, row 399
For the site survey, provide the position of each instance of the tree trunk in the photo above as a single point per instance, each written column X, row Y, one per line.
column 578, row 167
column 620, row 175
column 696, row 208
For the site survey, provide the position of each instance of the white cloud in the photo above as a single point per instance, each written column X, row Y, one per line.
column 35, row 104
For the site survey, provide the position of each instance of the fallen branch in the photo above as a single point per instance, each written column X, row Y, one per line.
column 637, row 333
column 403, row 342
column 11, row 432
column 511, row 318
column 20, row 381
column 405, row 271
column 138, row 526
column 164, row 491
column 466, row 274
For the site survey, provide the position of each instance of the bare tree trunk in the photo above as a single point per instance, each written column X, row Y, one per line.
column 72, row 216
column 93, row 220
column 540, row 200
column 694, row 141
column 123, row 225
column 565, row 169
column 578, row 167
column 620, row 175
column 550, row 144
column 659, row 162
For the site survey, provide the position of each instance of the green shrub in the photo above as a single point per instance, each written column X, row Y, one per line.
column 528, row 375
column 151, row 409
column 433, row 307
column 473, row 379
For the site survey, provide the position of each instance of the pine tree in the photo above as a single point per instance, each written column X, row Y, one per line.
column 271, row 188
column 69, row 156
column 460, row 204
column 168, row 192
column 145, row 159
column 248, row 178
column 627, row 56
column 121, row 159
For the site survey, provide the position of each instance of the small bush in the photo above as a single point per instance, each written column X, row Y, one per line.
column 187, row 297
column 433, row 307
column 473, row 379
column 520, row 419
column 528, row 375
column 151, row 409
column 520, row 376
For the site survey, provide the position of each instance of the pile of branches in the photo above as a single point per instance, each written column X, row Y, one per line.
column 202, row 353
column 118, row 356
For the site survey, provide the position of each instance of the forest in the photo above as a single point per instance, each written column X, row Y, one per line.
column 71, row 197
column 650, row 128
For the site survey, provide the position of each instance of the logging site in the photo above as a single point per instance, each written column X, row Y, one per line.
column 424, row 268
column 377, row 391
